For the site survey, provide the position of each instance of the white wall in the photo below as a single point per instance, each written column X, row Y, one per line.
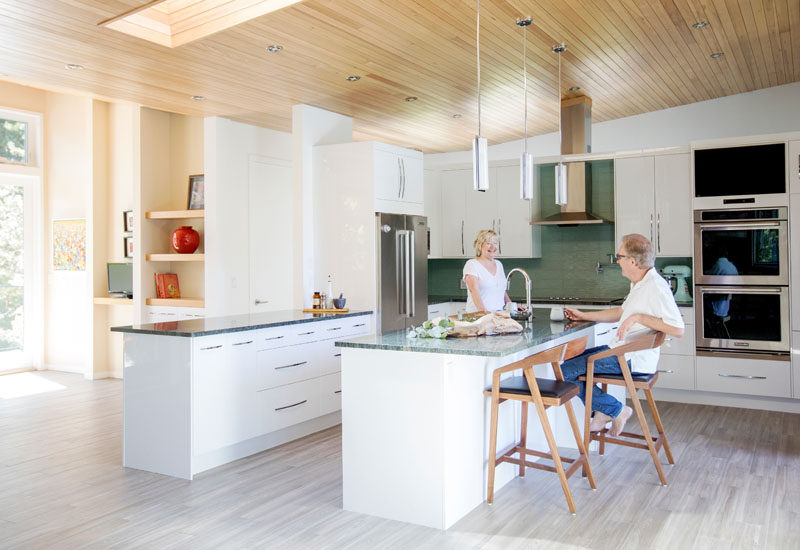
column 767, row 111
column 228, row 146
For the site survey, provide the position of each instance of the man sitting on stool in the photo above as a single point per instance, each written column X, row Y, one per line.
column 650, row 306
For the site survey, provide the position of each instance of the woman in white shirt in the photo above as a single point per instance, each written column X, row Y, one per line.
column 485, row 278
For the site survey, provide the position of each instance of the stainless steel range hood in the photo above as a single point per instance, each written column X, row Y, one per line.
column 576, row 137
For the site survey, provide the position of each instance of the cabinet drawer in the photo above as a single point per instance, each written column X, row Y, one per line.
column 330, row 393
column 286, row 405
column 280, row 366
column 688, row 315
column 327, row 357
column 604, row 333
column 268, row 338
column 676, row 372
column 746, row 376
column 438, row 310
column 685, row 345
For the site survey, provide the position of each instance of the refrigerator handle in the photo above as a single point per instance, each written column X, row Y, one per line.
column 411, row 293
column 399, row 179
column 398, row 268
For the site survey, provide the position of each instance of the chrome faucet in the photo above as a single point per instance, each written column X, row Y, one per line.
column 528, row 311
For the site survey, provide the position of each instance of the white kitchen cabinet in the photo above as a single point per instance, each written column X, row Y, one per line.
column 796, row 364
column 652, row 195
column 215, row 387
column 745, row 376
column 454, row 184
column 676, row 364
column 794, row 252
column 398, row 179
column 433, row 211
column 518, row 238
column 794, row 166
column 438, row 310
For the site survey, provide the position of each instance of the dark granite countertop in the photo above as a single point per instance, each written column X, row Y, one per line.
column 542, row 330
column 443, row 298
column 232, row 323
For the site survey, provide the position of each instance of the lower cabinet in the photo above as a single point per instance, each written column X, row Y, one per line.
column 745, row 376
column 676, row 365
column 796, row 363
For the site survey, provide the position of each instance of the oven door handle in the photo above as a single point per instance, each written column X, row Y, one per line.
column 738, row 226
column 739, row 290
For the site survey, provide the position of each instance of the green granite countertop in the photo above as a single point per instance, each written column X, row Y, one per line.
column 232, row 323
column 541, row 330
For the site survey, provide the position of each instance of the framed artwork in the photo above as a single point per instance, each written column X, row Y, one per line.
column 196, row 192
column 69, row 245
column 127, row 219
column 128, row 246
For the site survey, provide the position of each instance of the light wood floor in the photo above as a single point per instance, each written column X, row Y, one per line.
column 736, row 484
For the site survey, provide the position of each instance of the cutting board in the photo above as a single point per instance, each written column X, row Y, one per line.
column 331, row 310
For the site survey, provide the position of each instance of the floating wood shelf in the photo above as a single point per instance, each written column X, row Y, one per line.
column 176, row 302
column 109, row 301
column 175, row 214
column 170, row 257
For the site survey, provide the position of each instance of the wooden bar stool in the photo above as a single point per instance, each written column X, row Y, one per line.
column 633, row 384
column 543, row 393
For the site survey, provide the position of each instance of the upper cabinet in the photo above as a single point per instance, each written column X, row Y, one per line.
column 464, row 212
column 653, row 198
column 794, row 166
column 398, row 180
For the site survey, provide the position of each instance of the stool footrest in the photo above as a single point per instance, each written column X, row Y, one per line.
column 507, row 456
column 658, row 442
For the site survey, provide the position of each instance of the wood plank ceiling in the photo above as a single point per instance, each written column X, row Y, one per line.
column 629, row 56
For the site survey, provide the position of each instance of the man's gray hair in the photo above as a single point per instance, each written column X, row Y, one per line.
column 640, row 249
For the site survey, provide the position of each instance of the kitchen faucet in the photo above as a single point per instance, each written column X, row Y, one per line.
column 528, row 311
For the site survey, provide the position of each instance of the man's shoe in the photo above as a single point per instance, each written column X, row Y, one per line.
column 618, row 423
column 599, row 421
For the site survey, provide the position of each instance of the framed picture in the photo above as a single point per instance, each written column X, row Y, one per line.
column 127, row 218
column 196, row 192
column 69, row 245
column 128, row 246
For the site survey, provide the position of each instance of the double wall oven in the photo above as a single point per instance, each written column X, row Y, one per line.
column 741, row 282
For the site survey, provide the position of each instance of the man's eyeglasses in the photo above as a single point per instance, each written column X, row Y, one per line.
column 618, row 257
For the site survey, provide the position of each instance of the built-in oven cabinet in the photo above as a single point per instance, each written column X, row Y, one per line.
column 794, row 225
column 796, row 364
column 744, row 376
column 794, row 166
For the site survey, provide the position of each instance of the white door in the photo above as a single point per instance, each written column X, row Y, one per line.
column 794, row 166
column 271, row 274
column 387, row 176
column 412, row 175
column 794, row 251
column 513, row 214
column 481, row 210
column 673, row 200
column 454, row 187
column 634, row 197
column 433, row 211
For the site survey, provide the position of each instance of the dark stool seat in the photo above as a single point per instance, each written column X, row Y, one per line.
column 542, row 393
column 555, row 389
column 636, row 377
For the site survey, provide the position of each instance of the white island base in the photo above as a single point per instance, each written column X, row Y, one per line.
column 415, row 431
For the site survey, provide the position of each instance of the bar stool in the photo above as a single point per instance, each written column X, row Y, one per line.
column 543, row 393
column 633, row 384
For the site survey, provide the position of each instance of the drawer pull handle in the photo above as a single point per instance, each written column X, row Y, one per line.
column 335, row 328
column 338, row 391
column 306, row 333
column 748, row 377
column 292, row 365
column 211, row 347
column 667, row 371
column 360, row 325
column 243, row 343
column 603, row 333
column 290, row 406
column 337, row 354
column 274, row 338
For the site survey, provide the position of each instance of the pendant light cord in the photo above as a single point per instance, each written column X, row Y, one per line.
column 478, row 40
column 558, row 91
column 525, row 78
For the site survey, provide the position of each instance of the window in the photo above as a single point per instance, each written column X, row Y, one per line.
column 13, row 141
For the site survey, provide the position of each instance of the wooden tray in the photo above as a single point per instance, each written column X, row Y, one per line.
column 331, row 310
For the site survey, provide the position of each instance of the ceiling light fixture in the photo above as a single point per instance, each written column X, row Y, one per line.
column 73, row 66
column 561, row 168
column 701, row 25
column 526, row 162
column 457, row 115
column 411, row 98
column 480, row 148
column 353, row 78
column 274, row 48
column 198, row 98
column 716, row 55
column 574, row 88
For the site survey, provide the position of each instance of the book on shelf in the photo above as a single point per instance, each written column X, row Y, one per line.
column 167, row 285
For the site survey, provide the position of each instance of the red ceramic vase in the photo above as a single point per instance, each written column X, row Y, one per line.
column 185, row 240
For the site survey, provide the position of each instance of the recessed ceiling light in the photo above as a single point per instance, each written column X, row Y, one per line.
column 701, row 25
column 574, row 88
column 198, row 98
column 73, row 66
column 457, row 115
column 274, row 48
column 411, row 98
column 353, row 78
column 716, row 55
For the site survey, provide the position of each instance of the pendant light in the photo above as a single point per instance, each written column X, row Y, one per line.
column 561, row 168
column 526, row 162
column 480, row 150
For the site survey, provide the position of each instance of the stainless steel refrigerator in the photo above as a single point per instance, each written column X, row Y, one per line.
column 402, row 271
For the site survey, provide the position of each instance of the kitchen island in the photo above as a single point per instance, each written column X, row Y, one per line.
column 415, row 422
column 203, row 392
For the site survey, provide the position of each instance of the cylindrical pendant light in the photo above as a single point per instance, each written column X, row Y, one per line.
column 480, row 149
column 526, row 161
column 561, row 168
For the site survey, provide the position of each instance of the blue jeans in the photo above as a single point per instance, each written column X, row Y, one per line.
column 575, row 367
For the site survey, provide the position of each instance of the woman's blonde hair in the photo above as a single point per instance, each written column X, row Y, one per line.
column 484, row 235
